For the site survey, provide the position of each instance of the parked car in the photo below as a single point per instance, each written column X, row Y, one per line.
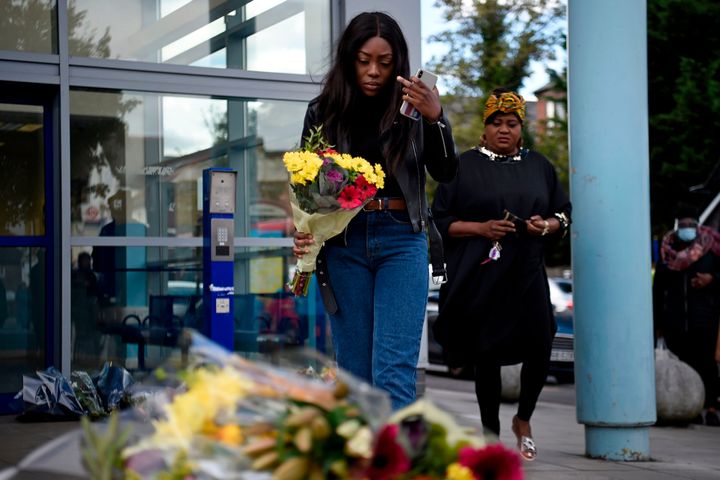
column 562, row 358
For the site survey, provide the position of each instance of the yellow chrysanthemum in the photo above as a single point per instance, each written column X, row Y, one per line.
column 359, row 164
column 379, row 176
column 209, row 394
column 343, row 159
column 455, row 471
column 303, row 166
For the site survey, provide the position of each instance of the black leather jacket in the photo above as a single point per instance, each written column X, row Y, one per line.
column 433, row 148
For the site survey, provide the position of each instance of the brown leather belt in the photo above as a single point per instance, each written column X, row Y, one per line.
column 378, row 204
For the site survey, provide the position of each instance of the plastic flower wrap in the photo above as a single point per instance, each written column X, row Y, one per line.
column 327, row 189
column 224, row 417
column 423, row 442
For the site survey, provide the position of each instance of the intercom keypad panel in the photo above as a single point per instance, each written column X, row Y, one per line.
column 221, row 243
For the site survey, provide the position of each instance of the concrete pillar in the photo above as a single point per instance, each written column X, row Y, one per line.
column 614, row 363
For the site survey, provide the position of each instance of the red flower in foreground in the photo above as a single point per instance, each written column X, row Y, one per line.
column 495, row 462
column 367, row 190
column 389, row 459
column 349, row 197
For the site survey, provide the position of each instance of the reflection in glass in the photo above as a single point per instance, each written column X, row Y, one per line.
column 31, row 26
column 22, row 161
column 28, row 25
column 287, row 36
column 163, row 294
column 137, row 160
column 22, row 314
column 128, row 304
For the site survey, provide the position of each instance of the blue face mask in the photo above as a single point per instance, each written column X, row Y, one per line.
column 687, row 234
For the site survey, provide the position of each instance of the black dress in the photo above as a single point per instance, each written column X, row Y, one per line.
column 500, row 308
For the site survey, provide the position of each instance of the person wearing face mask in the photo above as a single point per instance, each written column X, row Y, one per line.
column 495, row 218
column 686, row 298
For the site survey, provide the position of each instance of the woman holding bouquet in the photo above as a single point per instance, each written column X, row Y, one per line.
column 374, row 275
column 495, row 217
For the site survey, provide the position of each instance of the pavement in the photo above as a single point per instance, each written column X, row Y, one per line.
column 688, row 452
column 691, row 452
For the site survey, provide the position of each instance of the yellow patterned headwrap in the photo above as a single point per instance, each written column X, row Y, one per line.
column 507, row 102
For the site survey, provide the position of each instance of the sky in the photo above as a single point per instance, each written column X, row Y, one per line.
column 432, row 22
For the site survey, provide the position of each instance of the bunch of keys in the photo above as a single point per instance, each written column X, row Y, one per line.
column 494, row 253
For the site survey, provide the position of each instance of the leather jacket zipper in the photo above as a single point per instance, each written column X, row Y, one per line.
column 442, row 137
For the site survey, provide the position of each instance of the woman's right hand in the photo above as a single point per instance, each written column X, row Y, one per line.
column 496, row 229
column 302, row 240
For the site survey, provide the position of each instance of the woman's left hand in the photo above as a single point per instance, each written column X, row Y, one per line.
column 425, row 100
column 539, row 226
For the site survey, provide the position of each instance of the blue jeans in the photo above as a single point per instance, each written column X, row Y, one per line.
column 380, row 281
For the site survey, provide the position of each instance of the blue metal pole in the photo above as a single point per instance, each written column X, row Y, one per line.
column 608, row 113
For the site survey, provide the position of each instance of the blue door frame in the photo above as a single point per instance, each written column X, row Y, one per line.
column 44, row 97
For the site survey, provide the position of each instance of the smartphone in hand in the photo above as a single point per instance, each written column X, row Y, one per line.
column 520, row 225
column 429, row 79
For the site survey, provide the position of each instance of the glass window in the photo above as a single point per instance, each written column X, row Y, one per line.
column 29, row 25
column 285, row 36
column 22, row 198
column 137, row 161
column 22, row 314
column 136, row 170
column 128, row 304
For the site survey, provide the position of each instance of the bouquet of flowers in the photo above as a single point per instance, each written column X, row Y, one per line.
column 327, row 189
column 226, row 418
column 421, row 442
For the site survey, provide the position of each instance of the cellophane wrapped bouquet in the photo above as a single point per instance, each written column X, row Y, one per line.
column 327, row 189
column 226, row 417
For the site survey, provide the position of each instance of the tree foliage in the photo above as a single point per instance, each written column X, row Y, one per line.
column 493, row 45
column 684, row 102
column 97, row 141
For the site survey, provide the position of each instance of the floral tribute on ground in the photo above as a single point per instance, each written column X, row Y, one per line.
column 225, row 417
column 327, row 189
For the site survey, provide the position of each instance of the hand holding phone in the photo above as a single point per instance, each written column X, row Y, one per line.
column 520, row 225
column 429, row 79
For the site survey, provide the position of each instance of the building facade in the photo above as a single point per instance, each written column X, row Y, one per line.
column 109, row 113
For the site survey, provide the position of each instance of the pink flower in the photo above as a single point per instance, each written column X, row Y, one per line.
column 349, row 198
column 389, row 459
column 494, row 461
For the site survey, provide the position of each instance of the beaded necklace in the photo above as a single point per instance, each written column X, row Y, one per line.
column 496, row 157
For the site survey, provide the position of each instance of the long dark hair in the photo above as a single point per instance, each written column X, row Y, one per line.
column 341, row 90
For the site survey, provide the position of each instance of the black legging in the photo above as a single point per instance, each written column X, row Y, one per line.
column 488, row 388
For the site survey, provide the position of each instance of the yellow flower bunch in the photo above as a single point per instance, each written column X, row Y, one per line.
column 455, row 471
column 210, row 393
column 373, row 174
column 303, row 166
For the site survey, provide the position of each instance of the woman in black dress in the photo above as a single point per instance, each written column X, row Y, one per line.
column 495, row 217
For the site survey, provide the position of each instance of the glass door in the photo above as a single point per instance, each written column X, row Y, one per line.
column 26, row 336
